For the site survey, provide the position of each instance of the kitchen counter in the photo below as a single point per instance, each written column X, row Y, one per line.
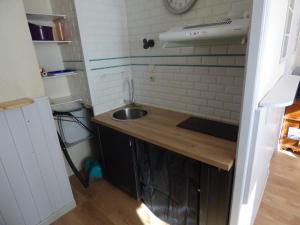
column 159, row 127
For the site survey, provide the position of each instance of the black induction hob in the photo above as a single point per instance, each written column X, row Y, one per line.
column 210, row 127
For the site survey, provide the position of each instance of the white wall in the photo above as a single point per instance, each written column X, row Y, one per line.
column 207, row 91
column 111, row 45
column 210, row 85
column 42, row 6
column 20, row 75
column 149, row 18
column 103, row 31
column 297, row 60
column 260, row 127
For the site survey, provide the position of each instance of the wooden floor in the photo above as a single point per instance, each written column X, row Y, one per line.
column 281, row 201
column 103, row 204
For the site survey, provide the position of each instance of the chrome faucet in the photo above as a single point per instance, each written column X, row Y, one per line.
column 131, row 90
column 131, row 100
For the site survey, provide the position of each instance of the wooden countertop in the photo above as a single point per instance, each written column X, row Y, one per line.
column 159, row 128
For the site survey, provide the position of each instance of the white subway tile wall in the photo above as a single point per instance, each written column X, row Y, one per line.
column 206, row 81
column 104, row 34
column 146, row 19
column 110, row 88
column 213, row 92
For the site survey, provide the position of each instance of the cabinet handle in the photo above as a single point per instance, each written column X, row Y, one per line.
column 199, row 190
column 130, row 143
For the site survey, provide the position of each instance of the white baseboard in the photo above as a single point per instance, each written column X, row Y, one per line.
column 67, row 208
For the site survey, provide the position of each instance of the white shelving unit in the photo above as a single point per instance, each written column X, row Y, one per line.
column 64, row 91
column 47, row 19
column 283, row 93
column 50, row 57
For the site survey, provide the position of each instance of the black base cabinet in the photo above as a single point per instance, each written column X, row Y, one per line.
column 118, row 159
column 215, row 195
column 177, row 189
column 169, row 184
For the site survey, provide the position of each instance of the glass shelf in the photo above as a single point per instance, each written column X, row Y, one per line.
column 51, row 42
column 67, row 74
column 44, row 17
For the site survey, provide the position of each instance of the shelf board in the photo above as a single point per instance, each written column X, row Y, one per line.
column 61, row 75
column 65, row 100
column 283, row 93
column 18, row 103
column 66, row 104
column 289, row 143
column 51, row 42
column 44, row 16
column 292, row 119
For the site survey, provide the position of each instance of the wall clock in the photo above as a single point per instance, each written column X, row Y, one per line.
column 179, row 6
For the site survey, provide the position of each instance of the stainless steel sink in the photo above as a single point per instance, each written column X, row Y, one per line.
column 129, row 113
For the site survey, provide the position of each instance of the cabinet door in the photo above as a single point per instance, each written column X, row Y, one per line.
column 118, row 159
column 215, row 196
column 29, row 160
column 154, row 178
column 8, row 205
column 35, row 183
column 2, row 220
column 12, row 169
column 169, row 184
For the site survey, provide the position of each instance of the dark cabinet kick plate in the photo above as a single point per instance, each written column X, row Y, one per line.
column 210, row 127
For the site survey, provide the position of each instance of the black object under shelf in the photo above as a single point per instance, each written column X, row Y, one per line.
column 210, row 127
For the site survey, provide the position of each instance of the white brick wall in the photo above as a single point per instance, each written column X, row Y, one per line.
column 104, row 34
column 112, row 29
column 149, row 18
column 208, row 94
column 109, row 88
column 213, row 92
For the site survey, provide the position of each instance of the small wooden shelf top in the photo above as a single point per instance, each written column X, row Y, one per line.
column 159, row 127
column 18, row 103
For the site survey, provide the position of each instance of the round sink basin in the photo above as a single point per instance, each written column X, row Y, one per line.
column 129, row 114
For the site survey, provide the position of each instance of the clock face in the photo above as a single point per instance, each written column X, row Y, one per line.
column 179, row 6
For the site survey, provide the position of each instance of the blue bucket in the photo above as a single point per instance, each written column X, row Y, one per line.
column 93, row 168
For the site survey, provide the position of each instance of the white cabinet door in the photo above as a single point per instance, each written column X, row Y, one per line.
column 42, row 151
column 34, row 186
column 8, row 205
column 47, row 121
column 29, row 162
column 1, row 220
column 16, row 176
